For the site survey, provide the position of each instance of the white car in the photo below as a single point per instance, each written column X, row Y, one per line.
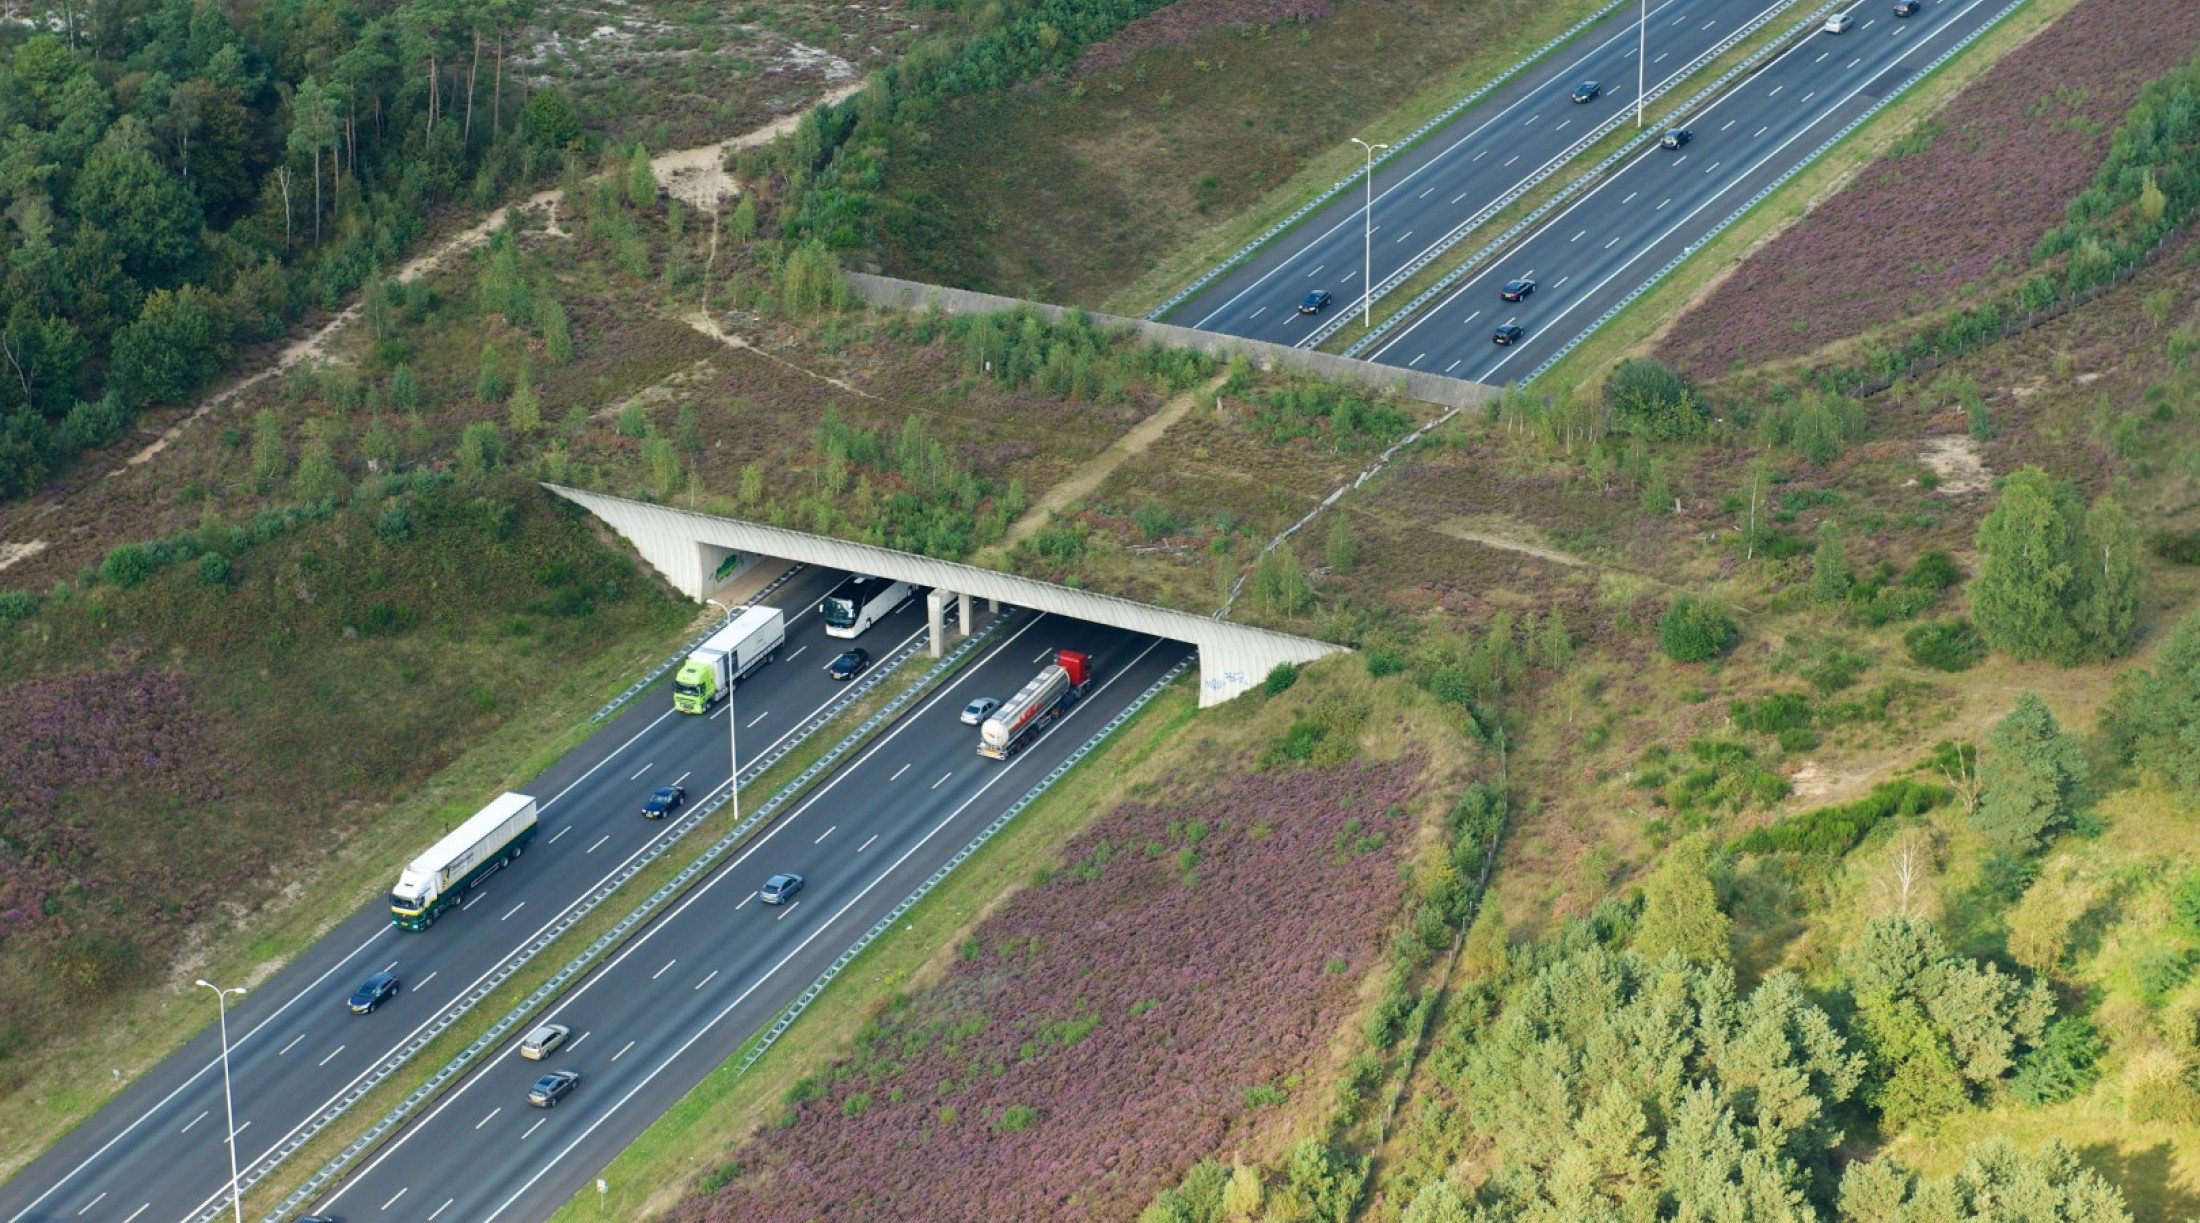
column 544, row 1041
column 1839, row 23
column 979, row 710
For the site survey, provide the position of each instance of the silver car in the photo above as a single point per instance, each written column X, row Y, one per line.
column 544, row 1041
column 979, row 710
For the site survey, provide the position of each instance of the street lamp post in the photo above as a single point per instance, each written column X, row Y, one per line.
column 1642, row 65
column 733, row 747
column 1367, row 297
column 229, row 1100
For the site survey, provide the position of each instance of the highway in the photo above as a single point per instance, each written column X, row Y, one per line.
column 157, row 1152
column 1593, row 253
column 685, row 994
column 1499, row 145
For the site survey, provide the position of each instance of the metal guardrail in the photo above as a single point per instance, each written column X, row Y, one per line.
column 518, row 1015
column 802, row 1002
column 1807, row 160
column 1279, row 228
column 642, row 685
column 1589, row 176
column 1343, row 318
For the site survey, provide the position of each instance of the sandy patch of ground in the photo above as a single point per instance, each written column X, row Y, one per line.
column 698, row 175
column 11, row 553
column 1506, row 536
column 1955, row 461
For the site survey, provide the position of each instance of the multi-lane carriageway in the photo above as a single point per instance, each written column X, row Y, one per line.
column 1600, row 248
column 654, row 1019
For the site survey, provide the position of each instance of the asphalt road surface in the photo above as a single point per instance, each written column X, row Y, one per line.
column 1596, row 251
column 1490, row 148
column 689, row 991
column 158, row 1152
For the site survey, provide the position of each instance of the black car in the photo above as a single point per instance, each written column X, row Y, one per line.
column 1516, row 290
column 1906, row 8
column 553, row 1087
column 373, row 992
column 664, row 802
column 1315, row 302
column 1677, row 137
column 849, row 665
column 1587, row 90
column 1509, row 333
column 779, row 889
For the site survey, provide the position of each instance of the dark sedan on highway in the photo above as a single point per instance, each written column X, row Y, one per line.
column 1510, row 333
column 1587, row 90
column 664, row 802
column 1315, row 302
column 849, row 665
column 1676, row 138
column 373, row 992
column 553, row 1087
column 1516, row 290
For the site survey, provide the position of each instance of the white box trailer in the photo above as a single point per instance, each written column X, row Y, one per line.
column 727, row 658
column 474, row 850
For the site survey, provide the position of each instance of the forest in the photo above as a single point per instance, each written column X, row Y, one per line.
column 175, row 185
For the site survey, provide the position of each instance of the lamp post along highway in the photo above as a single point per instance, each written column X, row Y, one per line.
column 229, row 1101
column 1642, row 63
column 1367, row 294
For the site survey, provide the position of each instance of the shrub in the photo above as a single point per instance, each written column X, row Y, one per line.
column 1016, row 1118
column 1280, row 679
column 480, row 447
column 1779, row 712
column 394, row 523
column 1646, row 398
column 2159, row 971
column 1933, row 570
column 17, row 605
column 1945, row 645
column 1695, row 631
column 126, row 566
column 1832, row 831
column 1385, row 662
column 214, row 569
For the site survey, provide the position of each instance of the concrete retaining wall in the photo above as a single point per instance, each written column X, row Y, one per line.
column 889, row 293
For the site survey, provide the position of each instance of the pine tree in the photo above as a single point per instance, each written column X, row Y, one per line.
column 1243, row 1196
column 1487, row 954
column 1680, row 909
column 2027, row 581
column 1829, row 570
column 1343, row 551
column 525, row 406
column 2155, row 716
column 557, row 334
column 2107, row 617
column 2028, row 777
column 1437, row 1202
column 641, row 180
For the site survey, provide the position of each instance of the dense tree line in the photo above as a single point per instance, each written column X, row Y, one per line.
column 174, row 183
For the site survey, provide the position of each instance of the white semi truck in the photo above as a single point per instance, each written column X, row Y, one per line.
column 437, row 879
column 732, row 652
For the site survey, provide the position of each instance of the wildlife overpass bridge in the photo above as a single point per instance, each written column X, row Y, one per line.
column 695, row 552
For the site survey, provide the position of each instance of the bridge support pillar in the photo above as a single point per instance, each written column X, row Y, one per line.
column 935, row 607
column 964, row 600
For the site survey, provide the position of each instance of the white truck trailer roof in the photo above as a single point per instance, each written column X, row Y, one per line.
column 463, row 837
